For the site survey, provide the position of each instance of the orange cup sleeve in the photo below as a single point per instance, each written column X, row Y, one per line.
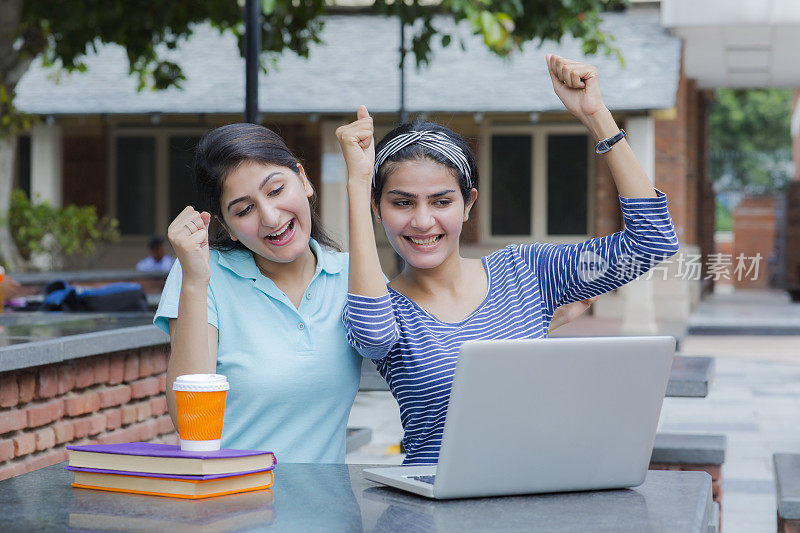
column 200, row 414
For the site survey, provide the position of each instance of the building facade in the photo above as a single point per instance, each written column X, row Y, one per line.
column 101, row 142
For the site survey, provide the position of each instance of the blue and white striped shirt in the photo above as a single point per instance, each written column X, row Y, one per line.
column 417, row 353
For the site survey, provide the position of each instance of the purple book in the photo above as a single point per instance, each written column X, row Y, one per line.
column 170, row 476
column 151, row 449
column 150, row 458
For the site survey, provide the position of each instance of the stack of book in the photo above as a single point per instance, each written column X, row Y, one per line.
column 166, row 470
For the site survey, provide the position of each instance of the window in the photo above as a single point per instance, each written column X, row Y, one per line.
column 538, row 183
column 24, row 164
column 567, row 185
column 136, row 185
column 151, row 177
column 182, row 190
column 511, row 184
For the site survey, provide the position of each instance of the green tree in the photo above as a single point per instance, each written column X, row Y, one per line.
column 63, row 33
column 750, row 139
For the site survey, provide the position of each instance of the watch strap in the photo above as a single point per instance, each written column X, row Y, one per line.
column 606, row 144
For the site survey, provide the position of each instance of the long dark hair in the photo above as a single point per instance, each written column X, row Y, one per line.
column 218, row 154
column 417, row 151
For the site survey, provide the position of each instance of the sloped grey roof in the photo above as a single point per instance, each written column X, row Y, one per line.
column 358, row 64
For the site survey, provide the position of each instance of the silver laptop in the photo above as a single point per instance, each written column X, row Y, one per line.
column 546, row 415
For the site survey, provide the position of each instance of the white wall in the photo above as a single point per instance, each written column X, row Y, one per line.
column 46, row 170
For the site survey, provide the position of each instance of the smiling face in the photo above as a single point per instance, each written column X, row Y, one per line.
column 266, row 208
column 422, row 210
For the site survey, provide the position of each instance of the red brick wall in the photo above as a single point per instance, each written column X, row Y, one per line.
column 702, row 202
column 672, row 160
column 793, row 234
column 105, row 399
column 753, row 233
column 680, row 157
column 682, row 167
column 607, row 215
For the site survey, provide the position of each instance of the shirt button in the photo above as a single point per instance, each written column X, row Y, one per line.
column 308, row 296
column 301, row 326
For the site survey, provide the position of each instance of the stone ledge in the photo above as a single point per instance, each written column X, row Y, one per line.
column 787, row 484
column 690, row 449
column 683, row 378
column 31, row 354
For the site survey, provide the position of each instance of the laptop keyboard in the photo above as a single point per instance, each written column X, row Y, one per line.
column 424, row 479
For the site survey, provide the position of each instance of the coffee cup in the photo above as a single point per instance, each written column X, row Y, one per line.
column 200, row 402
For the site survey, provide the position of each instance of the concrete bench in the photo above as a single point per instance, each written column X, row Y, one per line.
column 690, row 377
column 787, row 489
column 681, row 451
column 683, row 448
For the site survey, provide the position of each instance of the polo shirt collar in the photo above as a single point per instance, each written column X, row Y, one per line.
column 327, row 261
column 241, row 262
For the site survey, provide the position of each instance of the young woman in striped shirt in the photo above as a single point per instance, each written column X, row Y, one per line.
column 421, row 185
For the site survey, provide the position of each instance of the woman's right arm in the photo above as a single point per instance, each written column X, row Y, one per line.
column 368, row 315
column 193, row 340
column 358, row 147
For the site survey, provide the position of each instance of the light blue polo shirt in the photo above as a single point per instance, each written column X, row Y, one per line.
column 292, row 373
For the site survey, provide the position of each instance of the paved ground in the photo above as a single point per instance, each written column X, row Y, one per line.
column 754, row 400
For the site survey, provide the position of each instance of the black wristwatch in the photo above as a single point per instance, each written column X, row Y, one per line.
column 606, row 144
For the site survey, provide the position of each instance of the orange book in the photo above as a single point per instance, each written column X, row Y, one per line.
column 175, row 486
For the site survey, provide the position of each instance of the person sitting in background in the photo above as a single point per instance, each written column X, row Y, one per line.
column 159, row 259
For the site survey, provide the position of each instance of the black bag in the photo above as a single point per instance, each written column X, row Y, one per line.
column 61, row 296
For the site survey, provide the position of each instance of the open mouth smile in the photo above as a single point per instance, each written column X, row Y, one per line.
column 425, row 241
column 282, row 235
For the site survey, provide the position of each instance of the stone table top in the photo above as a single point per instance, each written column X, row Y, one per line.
column 336, row 497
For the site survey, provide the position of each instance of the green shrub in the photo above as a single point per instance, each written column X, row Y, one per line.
column 59, row 232
column 724, row 218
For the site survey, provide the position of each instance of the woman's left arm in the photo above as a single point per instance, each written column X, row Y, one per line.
column 572, row 272
column 578, row 87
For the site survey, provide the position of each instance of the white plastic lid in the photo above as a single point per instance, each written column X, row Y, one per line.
column 201, row 383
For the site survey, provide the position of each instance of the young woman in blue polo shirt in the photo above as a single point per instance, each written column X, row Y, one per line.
column 420, row 181
column 258, row 295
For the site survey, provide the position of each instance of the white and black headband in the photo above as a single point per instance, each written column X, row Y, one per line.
column 434, row 140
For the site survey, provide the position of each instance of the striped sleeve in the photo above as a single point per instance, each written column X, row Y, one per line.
column 371, row 325
column 572, row 272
